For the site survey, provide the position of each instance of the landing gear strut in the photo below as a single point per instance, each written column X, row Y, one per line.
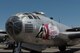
column 17, row 48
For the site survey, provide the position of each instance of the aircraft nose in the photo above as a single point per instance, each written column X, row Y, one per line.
column 14, row 25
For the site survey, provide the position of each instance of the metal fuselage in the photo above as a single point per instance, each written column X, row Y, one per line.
column 30, row 28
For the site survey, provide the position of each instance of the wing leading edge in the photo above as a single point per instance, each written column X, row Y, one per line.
column 71, row 35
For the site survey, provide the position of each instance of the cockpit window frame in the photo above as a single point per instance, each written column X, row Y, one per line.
column 35, row 17
column 30, row 17
column 38, row 17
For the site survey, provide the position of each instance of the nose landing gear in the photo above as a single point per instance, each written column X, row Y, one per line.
column 17, row 47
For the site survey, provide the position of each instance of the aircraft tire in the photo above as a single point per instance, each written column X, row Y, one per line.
column 62, row 48
column 35, row 51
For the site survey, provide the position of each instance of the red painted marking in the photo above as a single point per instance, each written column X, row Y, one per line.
column 47, row 31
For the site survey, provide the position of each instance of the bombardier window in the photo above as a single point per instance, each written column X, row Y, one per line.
column 9, row 28
column 18, row 27
column 15, row 18
column 14, row 26
column 30, row 17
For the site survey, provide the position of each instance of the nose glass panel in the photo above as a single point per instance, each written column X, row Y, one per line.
column 14, row 18
column 17, row 27
column 14, row 25
column 9, row 28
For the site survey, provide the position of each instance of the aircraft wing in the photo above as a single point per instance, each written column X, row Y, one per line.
column 3, row 33
column 71, row 35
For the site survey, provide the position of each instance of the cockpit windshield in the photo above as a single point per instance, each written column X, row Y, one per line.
column 30, row 17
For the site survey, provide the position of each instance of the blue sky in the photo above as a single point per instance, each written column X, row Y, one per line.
column 68, row 11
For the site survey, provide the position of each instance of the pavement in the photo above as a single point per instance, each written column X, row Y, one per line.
column 73, row 49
